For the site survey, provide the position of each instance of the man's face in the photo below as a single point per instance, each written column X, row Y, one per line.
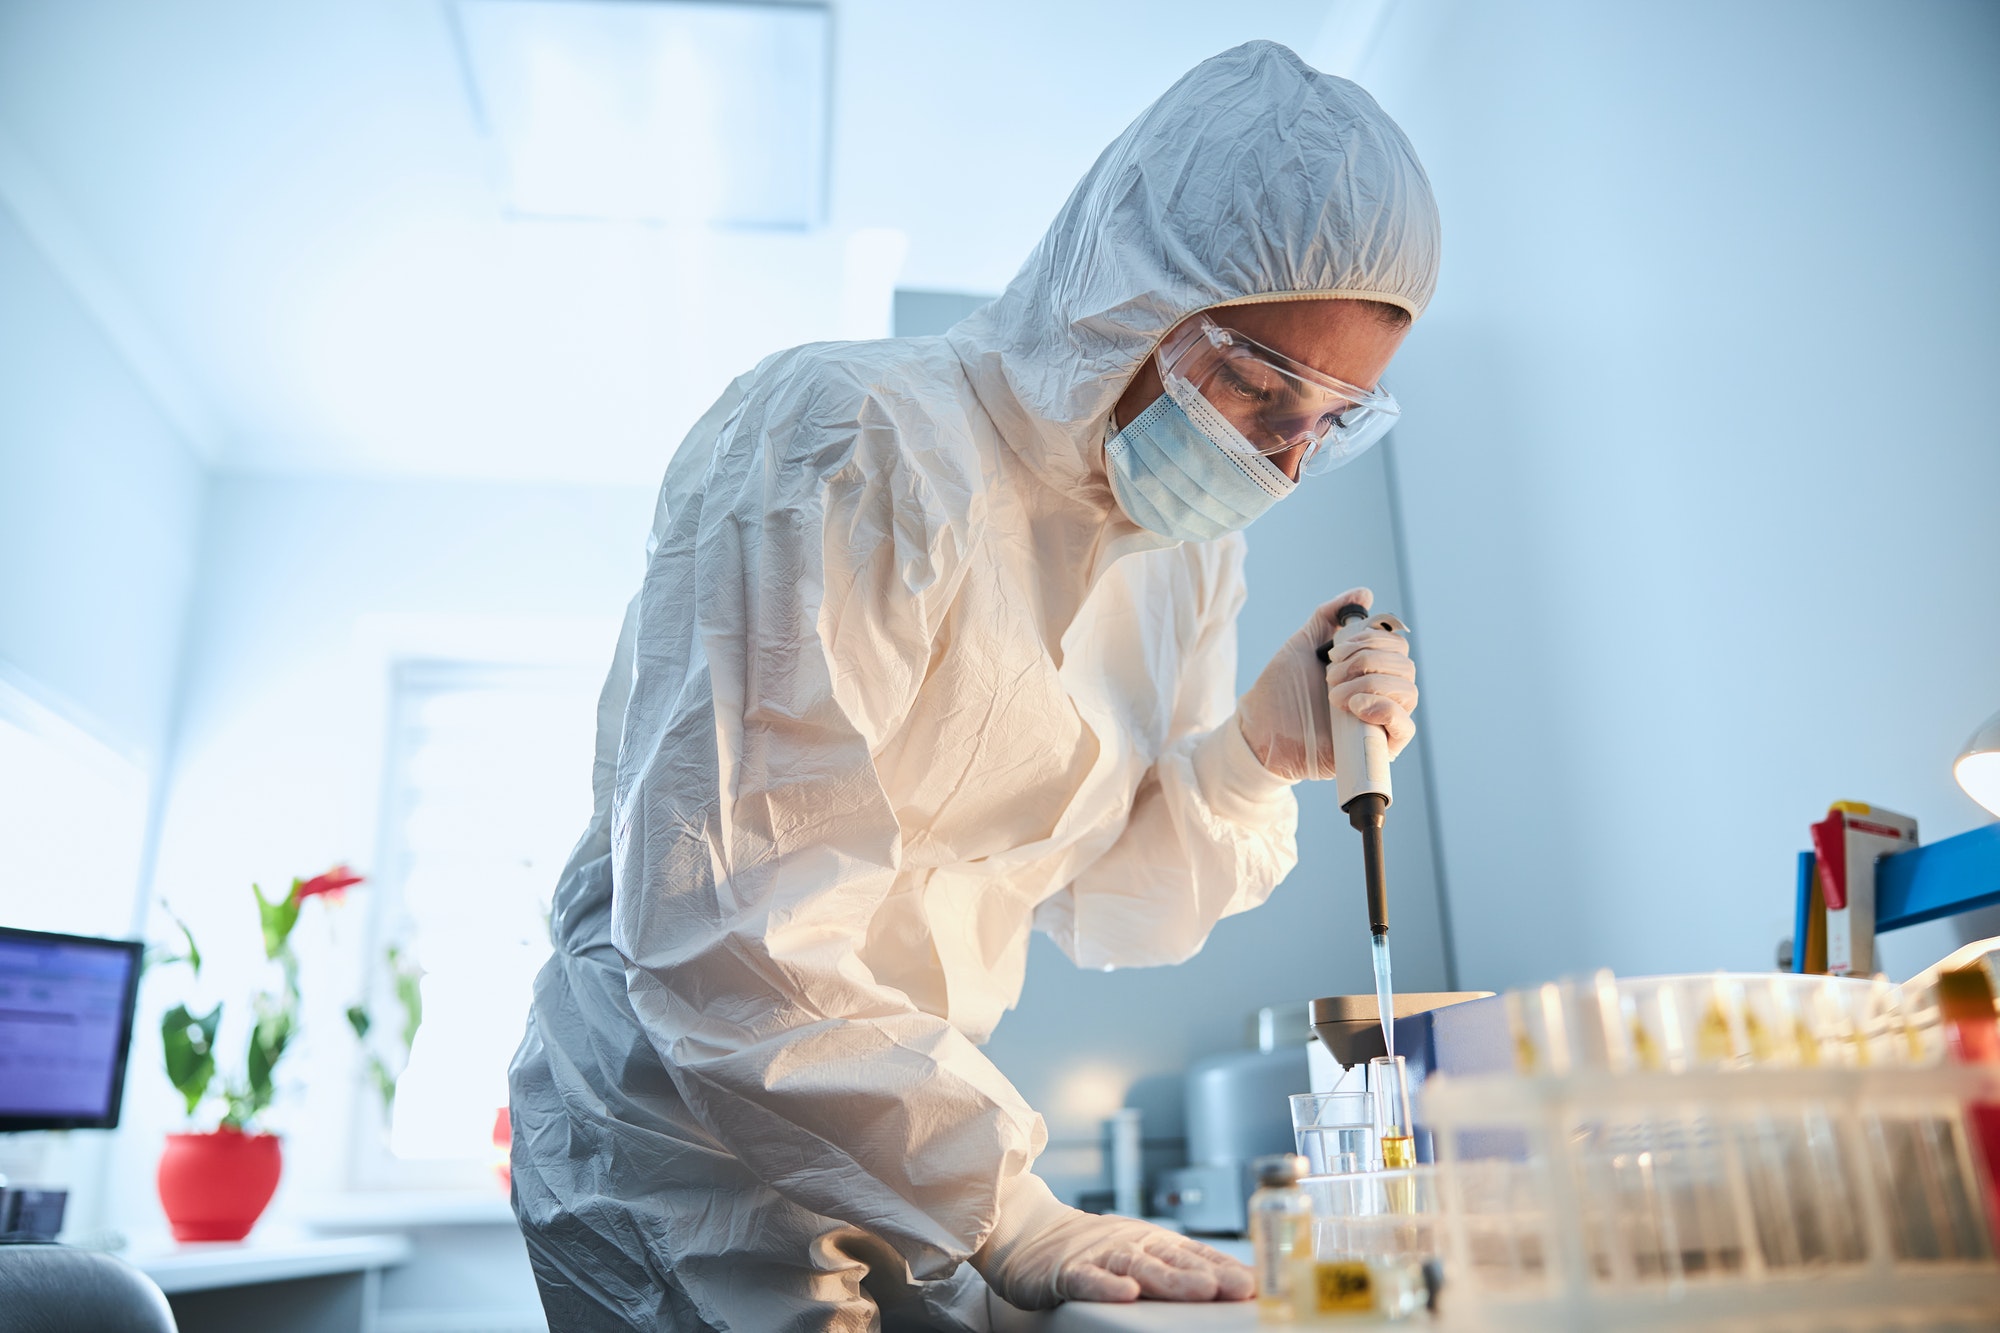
column 1348, row 340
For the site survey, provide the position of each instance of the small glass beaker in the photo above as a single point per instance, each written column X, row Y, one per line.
column 1334, row 1131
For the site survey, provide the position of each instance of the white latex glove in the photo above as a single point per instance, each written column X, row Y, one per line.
column 1372, row 678
column 1043, row 1252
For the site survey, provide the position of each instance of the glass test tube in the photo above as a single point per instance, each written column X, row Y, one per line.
column 1395, row 1133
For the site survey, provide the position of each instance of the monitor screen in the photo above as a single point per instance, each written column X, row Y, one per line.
column 65, row 1027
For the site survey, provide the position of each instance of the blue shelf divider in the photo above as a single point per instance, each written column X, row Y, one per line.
column 1939, row 879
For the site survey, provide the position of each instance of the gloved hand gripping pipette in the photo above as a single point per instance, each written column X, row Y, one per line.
column 1361, row 776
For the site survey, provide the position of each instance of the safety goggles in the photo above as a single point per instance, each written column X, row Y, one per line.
column 1273, row 403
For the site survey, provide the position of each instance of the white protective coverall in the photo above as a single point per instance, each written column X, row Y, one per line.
column 900, row 684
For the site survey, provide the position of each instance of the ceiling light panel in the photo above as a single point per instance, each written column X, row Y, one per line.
column 671, row 111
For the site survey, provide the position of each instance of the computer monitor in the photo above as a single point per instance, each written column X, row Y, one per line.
column 65, row 1028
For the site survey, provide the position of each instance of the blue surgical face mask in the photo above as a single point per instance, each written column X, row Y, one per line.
column 1172, row 478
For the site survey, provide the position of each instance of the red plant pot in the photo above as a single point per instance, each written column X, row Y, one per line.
column 215, row 1186
column 503, row 1139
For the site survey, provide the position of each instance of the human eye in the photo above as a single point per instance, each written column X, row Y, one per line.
column 1240, row 385
column 1260, row 381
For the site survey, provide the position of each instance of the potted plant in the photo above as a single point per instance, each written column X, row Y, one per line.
column 215, row 1184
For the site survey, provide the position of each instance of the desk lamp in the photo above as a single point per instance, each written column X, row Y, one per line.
column 1978, row 766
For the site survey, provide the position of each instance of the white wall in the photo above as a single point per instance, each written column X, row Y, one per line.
column 99, row 505
column 1700, row 460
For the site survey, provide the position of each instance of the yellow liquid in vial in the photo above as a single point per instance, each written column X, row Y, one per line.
column 1399, row 1153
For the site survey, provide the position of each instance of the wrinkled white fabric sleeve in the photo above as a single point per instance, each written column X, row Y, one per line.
column 1211, row 831
column 752, row 844
column 1237, row 786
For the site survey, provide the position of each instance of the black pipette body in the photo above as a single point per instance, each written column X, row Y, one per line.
column 1365, row 813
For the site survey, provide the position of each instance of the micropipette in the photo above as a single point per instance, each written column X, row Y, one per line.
column 1361, row 775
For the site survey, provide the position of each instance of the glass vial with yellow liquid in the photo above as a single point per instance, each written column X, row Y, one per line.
column 1395, row 1132
column 1395, row 1129
column 1280, row 1233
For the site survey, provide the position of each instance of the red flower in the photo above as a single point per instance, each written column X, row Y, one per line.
column 334, row 883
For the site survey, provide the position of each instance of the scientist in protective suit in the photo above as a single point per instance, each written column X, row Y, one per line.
column 936, row 645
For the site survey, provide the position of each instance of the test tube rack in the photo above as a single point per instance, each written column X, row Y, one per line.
column 1766, row 1198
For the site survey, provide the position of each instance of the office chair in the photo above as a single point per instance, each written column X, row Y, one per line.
column 46, row 1288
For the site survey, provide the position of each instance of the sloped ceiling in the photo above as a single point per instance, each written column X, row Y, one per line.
column 290, row 212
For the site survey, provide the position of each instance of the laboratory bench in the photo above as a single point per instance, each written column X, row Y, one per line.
column 1154, row 1317
column 1169, row 1317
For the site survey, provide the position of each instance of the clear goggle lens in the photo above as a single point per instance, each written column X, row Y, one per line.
column 1275, row 404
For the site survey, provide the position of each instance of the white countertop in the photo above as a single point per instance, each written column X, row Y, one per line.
column 1168, row 1317
column 206, row 1265
column 1154, row 1317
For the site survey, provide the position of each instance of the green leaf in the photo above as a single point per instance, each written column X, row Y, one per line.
column 160, row 955
column 407, row 980
column 409, row 992
column 277, row 918
column 189, row 1043
column 409, row 989
column 385, row 1082
column 193, row 955
column 276, row 1022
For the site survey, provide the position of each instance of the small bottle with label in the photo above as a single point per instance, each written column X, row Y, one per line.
column 1280, row 1233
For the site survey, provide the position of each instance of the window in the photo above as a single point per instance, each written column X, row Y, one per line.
column 73, row 828
column 487, row 790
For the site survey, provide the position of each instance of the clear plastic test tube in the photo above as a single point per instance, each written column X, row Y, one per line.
column 1395, row 1134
